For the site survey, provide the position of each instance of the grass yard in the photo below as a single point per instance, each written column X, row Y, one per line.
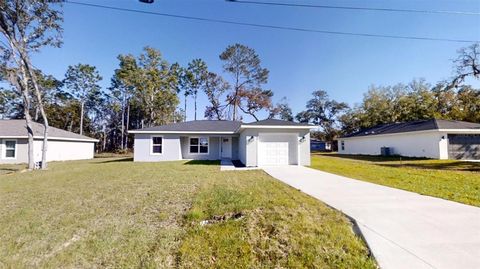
column 452, row 180
column 111, row 212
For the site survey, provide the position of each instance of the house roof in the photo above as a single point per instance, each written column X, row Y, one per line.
column 275, row 122
column 18, row 129
column 217, row 126
column 195, row 126
column 414, row 126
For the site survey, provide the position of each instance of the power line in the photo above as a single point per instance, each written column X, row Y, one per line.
column 355, row 8
column 267, row 26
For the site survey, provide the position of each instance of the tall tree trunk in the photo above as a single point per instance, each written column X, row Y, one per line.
column 237, row 75
column 28, row 119
column 195, row 103
column 81, row 117
column 104, row 138
column 22, row 85
column 128, row 123
column 185, row 111
column 38, row 94
column 123, row 122
column 37, row 112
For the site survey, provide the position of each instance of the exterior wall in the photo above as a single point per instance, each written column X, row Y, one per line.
column 213, row 149
column 64, row 150
column 143, row 148
column 443, row 154
column 413, row 144
column 235, row 153
column 242, row 148
column 248, row 149
column 21, row 151
column 58, row 150
column 304, row 149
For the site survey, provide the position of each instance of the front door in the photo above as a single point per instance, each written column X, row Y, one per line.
column 226, row 147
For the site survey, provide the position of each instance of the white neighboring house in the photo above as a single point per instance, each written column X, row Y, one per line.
column 262, row 143
column 62, row 145
column 437, row 139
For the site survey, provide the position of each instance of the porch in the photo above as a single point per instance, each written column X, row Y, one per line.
column 209, row 147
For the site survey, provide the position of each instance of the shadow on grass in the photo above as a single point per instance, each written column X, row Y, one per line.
column 370, row 158
column 4, row 171
column 120, row 160
column 202, row 162
column 409, row 162
column 452, row 166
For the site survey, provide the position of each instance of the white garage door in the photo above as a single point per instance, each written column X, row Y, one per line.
column 273, row 153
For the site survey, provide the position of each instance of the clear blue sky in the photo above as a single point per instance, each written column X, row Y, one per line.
column 344, row 66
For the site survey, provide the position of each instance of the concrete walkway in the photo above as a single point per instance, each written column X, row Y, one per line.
column 403, row 229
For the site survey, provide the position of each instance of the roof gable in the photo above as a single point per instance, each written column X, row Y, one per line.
column 17, row 128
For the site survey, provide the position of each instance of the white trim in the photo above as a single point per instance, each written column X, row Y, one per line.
column 199, row 153
column 51, row 137
column 276, row 127
column 298, row 148
column 4, row 149
column 461, row 131
column 181, row 132
column 151, row 145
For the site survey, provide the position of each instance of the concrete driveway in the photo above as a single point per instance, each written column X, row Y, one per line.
column 403, row 229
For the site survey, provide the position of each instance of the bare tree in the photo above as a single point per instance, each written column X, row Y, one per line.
column 27, row 26
column 467, row 64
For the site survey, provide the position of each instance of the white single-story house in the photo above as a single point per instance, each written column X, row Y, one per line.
column 62, row 145
column 437, row 139
column 261, row 143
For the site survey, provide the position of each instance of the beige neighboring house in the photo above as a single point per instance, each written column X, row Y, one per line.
column 62, row 145
column 262, row 143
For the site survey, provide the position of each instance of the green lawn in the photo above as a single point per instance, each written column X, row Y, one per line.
column 453, row 180
column 111, row 212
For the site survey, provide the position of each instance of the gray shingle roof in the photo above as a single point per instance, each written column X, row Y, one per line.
column 196, row 126
column 275, row 122
column 413, row 126
column 215, row 126
column 17, row 128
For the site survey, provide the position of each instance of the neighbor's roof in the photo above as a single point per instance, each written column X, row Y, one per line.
column 217, row 126
column 414, row 126
column 213, row 126
column 18, row 129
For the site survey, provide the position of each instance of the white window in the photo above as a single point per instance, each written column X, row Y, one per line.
column 10, row 149
column 343, row 145
column 157, row 144
column 199, row 145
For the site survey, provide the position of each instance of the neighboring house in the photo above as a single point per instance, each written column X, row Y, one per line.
column 262, row 143
column 318, row 145
column 437, row 139
column 62, row 145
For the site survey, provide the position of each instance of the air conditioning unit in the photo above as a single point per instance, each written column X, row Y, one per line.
column 386, row 151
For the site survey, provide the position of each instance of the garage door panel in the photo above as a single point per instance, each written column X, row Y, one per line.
column 273, row 153
column 464, row 146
